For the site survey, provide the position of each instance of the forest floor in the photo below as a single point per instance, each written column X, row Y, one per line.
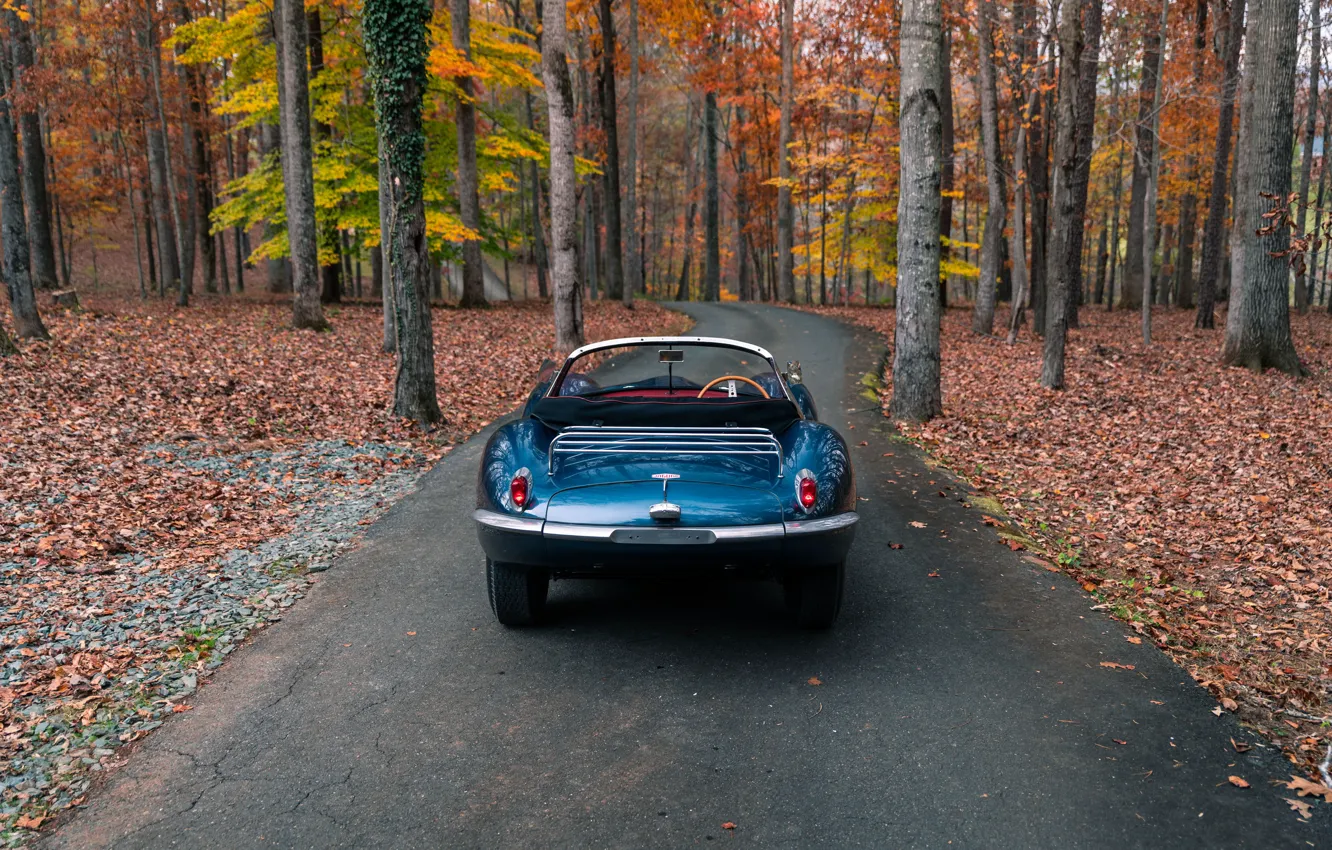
column 171, row 479
column 1190, row 498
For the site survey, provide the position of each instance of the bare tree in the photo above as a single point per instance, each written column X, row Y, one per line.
column 1086, row 132
column 611, row 173
column 916, row 389
column 1258, row 328
column 469, row 203
column 711, row 202
column 33, row 155
column 1306, row 149
column 13, row 222
column 298, row 163
column 634, row 280
column 1230, row 22
column 563, row 186
column 1188, row 202
column 982, row 320
column 1062, row 267
column 785, row 209
column 1153, row 172
column 1143, row 151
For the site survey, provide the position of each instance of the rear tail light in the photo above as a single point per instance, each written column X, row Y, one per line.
column 520, row 488
column 807, row 490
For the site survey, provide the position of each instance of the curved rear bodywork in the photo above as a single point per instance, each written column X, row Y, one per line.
column 665, row 478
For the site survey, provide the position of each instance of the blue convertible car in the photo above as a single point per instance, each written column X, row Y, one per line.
column 666, row 456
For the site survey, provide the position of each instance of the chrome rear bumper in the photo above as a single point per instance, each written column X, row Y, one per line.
column 661, row 534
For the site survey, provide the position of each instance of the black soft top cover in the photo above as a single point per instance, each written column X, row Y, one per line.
column 562, row 411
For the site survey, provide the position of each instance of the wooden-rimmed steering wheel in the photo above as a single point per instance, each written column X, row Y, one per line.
column 714, row 383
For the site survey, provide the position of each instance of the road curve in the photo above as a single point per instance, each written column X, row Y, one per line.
column 960, row 702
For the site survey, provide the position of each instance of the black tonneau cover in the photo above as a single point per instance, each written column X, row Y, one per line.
column 686, row 412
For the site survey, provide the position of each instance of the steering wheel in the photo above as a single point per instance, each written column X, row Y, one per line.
column 717, row 381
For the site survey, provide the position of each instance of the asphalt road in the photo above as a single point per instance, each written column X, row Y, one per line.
column 964, row 710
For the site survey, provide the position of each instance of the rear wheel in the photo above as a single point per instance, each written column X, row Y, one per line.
column 517, row 593
column 814, row 595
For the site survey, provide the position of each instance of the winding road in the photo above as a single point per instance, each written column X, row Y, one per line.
column 960, row 702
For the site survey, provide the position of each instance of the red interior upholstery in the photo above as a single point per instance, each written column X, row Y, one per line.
column 662, row 392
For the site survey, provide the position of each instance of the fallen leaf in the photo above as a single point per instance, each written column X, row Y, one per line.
column 1117, row 666
column 1088, row 586
column 933, row 575
column 1301, row 807
column 1121, row 743
column 1306, row 788
column 915, row 524
column 1240, row 746
column 728, row 824
column 1217, row 711
column 413, row 634
column 1237, row 782
column 1133, row 639
column 815, row 680
column 27, row 822
column 1229, row 704
column 862, row 442
column 894, row 545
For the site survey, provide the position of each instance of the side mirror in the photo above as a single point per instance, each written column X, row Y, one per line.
column 792, row 373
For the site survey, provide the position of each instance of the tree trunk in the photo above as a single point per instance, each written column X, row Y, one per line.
column 390, row 341
column 982, row 320
column 634, row 280
column 1258, row 337
column 395, row 42
column 916, row 389
column 13, row 222
column 1143, row 151
column 33, row 156
column 712, row 205
column 785, row 209
column 1038, row 194
column 1306, row 150
column 1153, row 172
column 1086, row 134
column 331, row 274
column 946, row 176
column 1063, row 262
column 691, row 187
column 1102, row 254
column 1314, row 276
column 1017, row 245
column 193, row 153
column 298, row 163
column 277, row 270
column 469, row 202
column 563, row 185
column 614, row 282
column 1231, row 22
column 1118, row 198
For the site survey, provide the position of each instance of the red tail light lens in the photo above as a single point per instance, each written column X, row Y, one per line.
column 520, row 490
column 808, row 492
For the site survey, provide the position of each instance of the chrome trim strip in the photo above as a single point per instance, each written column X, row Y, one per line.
column 671, row 340
column 573, row 531
column 582, row 439
column 823, row 524
column 509, row 522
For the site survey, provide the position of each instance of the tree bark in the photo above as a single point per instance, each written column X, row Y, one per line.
column 1153, row 172
column 982, row 320
column 298, row 163
column 634, row 280
column 384, row 249
column 691, row 187
column 916, row 388
column 1038, row 192
column 330, row 274
column 1231, row 22
column 194, row 154
column 33, row 152
column 946, row 176
column 614, row 273
column 1306, row 150
column 13, row 222
column 1063, row 262
column 563, row 186
column 1314, row 276
column 1017, row 244
column 785, row 209
column 469, row 203
column 712, row 203
column 1258, row 337
column 1102, row 254
column 395, row 41
column 1086, row 136
column 1143, row 151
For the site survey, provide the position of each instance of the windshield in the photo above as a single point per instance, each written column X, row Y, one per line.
column 664, row 369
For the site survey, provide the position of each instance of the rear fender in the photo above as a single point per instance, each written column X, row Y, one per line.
column 821, row 450
column 513, row 446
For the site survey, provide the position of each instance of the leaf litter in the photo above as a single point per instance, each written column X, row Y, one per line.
column 170, row 480
column 1192, row 494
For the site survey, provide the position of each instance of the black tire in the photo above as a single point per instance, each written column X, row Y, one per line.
column 814, row 596
column 517, row 593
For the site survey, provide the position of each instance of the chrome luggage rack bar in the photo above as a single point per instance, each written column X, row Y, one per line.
column 594, row 439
